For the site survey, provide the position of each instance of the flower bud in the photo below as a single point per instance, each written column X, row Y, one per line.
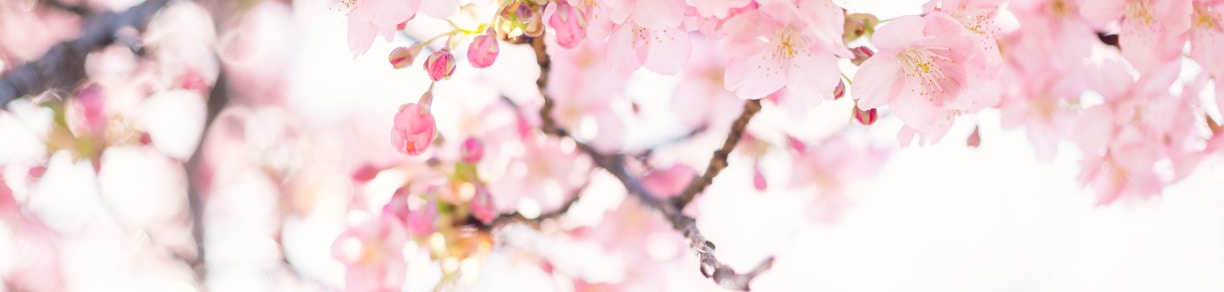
column 840, row 90
column 861, row 53
column 413, row 130
column 858, row 25
column 865, row 117
column 568, row 24
column 483, row 50
column 403, row 56
column 975, row 139
column 535, row 26
column 440, row 65
column 472, row 150
column 758, row 179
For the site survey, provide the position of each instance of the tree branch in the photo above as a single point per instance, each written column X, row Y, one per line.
column 218, row 98
column 711, row 268
column 79, row 10
column 64, row 64
column 718, row 161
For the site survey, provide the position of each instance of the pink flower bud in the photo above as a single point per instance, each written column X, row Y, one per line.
column 440, row 65
column 975, row 139
column 840, row 90
column 861, row 54
column 568, row 24
column 482, row 205
column 472, row 150
column 413, row 130
column 403, row 56
column 524, row 13
column 865, row 117
column 758, row 179
column 483, row 50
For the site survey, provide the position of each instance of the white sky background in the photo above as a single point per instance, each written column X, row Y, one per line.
column 937, row 218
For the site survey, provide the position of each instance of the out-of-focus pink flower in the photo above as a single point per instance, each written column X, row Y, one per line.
column 668, row 182
column 414, row 129
column 372, row 254
column 583, row 88
column 567, row 23
column 472, row 150
column 701, row 98
column 440, row 65
column 482, row 205
column 1139, row 124
column 984, row 19
column 1041, row 102
column 831, row 167
column 1055, row 35
column 483, row 50
column 779, row 45
column 1153, row 31
column 924, row 70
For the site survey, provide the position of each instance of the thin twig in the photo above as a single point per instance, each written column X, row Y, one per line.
column 710, row 267
column 718, row 161
column 63, row 66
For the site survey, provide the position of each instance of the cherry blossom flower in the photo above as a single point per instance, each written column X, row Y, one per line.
column 472, row 150
column 1153, row 32
column 984, row 19
column 1054, row 32
column 779, row 46
column 925, row 70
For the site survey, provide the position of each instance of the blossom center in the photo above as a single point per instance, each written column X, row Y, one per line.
column 1204, row 17
column 921, row 65
column 1139, row 12
column 787, row 44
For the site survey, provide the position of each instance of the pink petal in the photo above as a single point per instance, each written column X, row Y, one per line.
column 670, row 52
column 813, row 75
column 658, row 14
column 899, row 34
column 755, row 77
column 877, row 81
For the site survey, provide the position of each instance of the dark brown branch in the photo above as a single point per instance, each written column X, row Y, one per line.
column 710, row 267
column 79, row 10
column 218, row 98
column 63, row 66
column 508, row 218
column 718, row 161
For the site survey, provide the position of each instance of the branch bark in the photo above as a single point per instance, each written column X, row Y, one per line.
column 710, row 267
column 63, row 65
column 718, row 161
